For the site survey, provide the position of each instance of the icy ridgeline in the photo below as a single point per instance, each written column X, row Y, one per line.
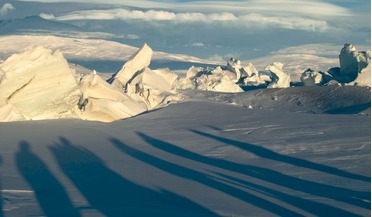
column 39, row 84
column 355, row 69
column 134, row 89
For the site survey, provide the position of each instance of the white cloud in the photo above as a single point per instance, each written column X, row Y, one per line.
column 315, row 15
column 303, row 7
column 244, row 20
column 312, row 8
column 300, row 23
column 150, row 15
column 6, row 8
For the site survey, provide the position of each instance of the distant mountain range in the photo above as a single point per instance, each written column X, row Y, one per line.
column 108, row 56
column 35, row 24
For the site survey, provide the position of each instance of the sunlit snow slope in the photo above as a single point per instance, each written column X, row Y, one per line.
column 189, row 159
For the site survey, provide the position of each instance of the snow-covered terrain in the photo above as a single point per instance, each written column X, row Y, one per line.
column 39, row 83
column 197, row 158
column 216, row 139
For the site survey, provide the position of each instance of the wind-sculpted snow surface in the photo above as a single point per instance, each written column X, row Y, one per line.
column 333, row 99
column 195, row 158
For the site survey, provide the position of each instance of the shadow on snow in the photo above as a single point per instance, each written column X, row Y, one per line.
column 112, row 194
column 203, row 179
column 269, row 154
column 335, row 193
column 50, row 194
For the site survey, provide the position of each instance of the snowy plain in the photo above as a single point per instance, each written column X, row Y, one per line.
column 196, row 158
column 299, row 151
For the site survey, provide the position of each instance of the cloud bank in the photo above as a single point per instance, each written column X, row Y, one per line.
column 247, row 20
column 222, row 26
column 304, row 7
column 316, row 15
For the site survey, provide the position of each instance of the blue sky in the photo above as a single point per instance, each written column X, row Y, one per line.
column 240, row 28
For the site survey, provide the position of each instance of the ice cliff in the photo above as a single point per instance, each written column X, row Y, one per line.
column 37, row 84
